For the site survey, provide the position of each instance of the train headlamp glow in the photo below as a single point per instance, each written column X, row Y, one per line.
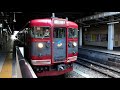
column 40, row 45
column 74, row 44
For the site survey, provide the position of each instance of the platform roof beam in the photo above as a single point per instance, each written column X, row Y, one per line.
column 100, row 15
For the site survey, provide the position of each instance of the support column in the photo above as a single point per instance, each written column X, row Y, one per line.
column 1, row 30
column 110, row 36
column 80, row 37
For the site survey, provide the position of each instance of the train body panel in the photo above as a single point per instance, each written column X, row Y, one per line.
column 72, row 41
column 37, row 52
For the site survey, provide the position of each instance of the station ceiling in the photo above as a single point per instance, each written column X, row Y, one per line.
column 22, row 17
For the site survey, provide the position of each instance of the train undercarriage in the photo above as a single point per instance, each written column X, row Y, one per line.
column 53, row 70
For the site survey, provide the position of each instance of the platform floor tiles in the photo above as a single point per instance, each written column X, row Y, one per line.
column 6, row 71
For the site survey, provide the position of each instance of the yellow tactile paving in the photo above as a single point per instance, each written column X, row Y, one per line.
column 7, row 67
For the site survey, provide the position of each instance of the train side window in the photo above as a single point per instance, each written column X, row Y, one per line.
column 31, row 31
column 73, row 33
column 40, row 32
column 46, row 32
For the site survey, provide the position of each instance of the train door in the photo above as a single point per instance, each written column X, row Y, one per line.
column 59, row 45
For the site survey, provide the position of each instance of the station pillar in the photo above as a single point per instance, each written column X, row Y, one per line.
column 80, row 37
column 110, row 36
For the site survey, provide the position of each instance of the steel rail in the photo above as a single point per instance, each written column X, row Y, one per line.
column 90, row 64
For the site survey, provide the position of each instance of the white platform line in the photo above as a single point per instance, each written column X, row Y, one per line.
column 22, row 50
column 81, row 73
column 31, row 70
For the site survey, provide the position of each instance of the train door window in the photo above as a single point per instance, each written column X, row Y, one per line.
column 73, row 33
column 59, row 32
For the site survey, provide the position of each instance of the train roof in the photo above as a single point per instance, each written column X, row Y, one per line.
column 72, row 24
column 48, row 22
column 41, row 20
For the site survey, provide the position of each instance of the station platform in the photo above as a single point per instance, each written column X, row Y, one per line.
column 115, row 51
column 6, row 65
column 7, row 62
column 13, row 64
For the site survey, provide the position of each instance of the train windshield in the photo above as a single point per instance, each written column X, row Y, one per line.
column 73, row 33
column 41, row 32
column 59, row 32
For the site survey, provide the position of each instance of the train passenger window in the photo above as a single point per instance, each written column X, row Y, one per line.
column 41, row 32
column 31, row 32
column 73, row 33
column 59, row 32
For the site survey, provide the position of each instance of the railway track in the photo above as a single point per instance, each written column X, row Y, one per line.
column 104, row 69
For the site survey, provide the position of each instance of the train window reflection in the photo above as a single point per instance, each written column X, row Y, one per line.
column 41, row 32
column 59, row 32
column 73, row 33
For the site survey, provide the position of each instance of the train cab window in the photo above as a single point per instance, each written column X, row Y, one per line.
column 41, row 32
column 73, row 33
column 59, row 32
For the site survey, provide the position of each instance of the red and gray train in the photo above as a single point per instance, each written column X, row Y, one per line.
column 50, row 45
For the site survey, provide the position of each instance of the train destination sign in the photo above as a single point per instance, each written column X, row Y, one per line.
column 59, row 22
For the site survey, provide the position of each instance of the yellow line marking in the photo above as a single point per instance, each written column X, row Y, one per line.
column 7, row 67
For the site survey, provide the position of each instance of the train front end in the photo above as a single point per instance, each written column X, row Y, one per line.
column 49, row 47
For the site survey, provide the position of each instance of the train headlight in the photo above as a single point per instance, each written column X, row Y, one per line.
column 40, row 45
column 74, row 44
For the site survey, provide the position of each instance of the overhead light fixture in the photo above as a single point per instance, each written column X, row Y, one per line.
column 85, row 29
column 14, row 20
column 112, row 22
column 1, row 25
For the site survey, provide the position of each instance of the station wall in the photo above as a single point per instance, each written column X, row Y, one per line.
column 98, row 35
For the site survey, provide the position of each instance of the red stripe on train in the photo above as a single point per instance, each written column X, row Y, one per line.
column 72, row 39
column 40, row 57
column 40, row 39
column 71, row 54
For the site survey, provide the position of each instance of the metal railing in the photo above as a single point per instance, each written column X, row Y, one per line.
column 24, row 70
